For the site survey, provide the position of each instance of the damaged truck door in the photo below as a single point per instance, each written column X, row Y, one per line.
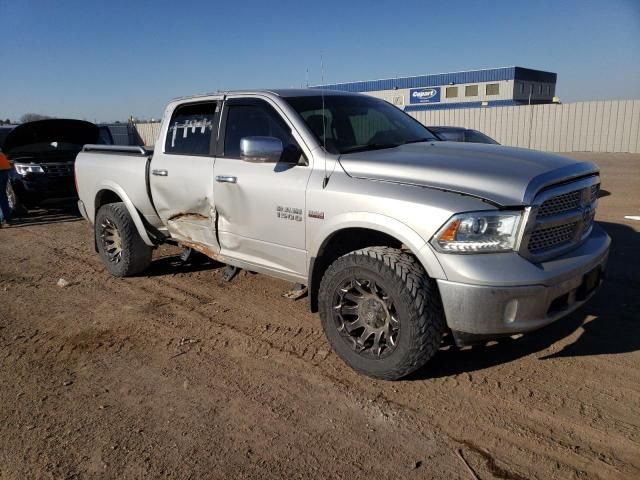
column 181, row 174
column 261, row 176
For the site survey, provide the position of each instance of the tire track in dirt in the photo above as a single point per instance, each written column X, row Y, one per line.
column 479, row 394
column 229, row 331
column 180, row 294
column 305, row 342
column 187, row 293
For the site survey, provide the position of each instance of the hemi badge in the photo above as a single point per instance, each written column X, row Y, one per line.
column 316, row 214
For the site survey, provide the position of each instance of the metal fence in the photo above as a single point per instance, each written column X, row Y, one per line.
column 148, row 132
column 605, row 126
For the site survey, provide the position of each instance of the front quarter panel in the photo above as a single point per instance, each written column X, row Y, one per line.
column 411, row 214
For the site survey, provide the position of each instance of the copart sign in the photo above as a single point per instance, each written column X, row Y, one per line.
column 424, row 95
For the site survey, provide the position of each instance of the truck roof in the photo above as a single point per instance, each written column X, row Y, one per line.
column 281, row 92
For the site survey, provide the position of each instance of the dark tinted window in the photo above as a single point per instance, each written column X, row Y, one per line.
column 191, row 129
column 254, row 118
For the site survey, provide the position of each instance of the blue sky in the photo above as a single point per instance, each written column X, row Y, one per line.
column 106, row 60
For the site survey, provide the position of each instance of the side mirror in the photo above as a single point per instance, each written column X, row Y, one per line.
column 261, row 149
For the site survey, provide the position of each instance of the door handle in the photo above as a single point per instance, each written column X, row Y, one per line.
column 226, row 179
column 160, row 173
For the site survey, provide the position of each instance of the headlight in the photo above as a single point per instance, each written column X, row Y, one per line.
column 24, row 168
column 478, row 232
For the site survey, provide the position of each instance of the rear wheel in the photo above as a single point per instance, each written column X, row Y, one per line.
column 120, row 246
column 381, row 312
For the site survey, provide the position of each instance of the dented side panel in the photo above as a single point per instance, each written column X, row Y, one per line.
column 184, row 198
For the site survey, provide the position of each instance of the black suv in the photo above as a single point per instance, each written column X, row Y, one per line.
column 43, row 154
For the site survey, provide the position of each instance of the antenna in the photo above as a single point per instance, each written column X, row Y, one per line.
column 324, row 125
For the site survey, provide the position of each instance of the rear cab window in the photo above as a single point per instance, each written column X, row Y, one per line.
column 191, row 129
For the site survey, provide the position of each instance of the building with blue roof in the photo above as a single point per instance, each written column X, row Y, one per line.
column 470, row 89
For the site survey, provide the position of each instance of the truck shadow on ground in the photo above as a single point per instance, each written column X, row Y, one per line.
column 56, row 213
column 610, row 322
column 173, row 264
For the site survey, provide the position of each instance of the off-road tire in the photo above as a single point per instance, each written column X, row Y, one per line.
column 135, row 255
column 416, row 300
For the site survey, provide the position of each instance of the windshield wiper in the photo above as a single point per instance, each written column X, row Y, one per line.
column 419, row 140
column 371, row 146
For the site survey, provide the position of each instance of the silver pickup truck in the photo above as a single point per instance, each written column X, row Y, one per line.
column 397, row 236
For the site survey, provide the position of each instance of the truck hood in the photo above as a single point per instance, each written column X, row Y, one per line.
column 39, row 135
column 502, row 175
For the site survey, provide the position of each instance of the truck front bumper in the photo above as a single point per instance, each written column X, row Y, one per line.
column 521, row 296
column 34, row 189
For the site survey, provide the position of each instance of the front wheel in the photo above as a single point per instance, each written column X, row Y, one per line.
column 381, row 312
column 120, row 246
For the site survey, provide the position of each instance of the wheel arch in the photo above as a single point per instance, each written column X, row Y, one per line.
column 362, row 231
column 111, row 193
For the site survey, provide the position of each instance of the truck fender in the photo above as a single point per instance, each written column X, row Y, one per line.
column 133, row 211
column 385, row 224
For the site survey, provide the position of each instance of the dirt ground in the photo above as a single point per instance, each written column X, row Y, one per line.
column 177, row 374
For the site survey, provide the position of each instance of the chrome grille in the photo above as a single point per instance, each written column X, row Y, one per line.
column 560, row 204
column 59, row 169
column 560, row 218
column 549, row 238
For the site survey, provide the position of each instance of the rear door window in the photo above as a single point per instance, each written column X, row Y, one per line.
column 191, row 129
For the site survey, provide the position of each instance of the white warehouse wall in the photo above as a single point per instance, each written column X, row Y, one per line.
column 599, row 126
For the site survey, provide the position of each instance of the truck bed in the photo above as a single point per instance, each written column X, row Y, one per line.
column 122, row 170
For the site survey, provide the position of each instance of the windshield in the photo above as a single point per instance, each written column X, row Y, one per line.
column 451, row 135
column 350, row 123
